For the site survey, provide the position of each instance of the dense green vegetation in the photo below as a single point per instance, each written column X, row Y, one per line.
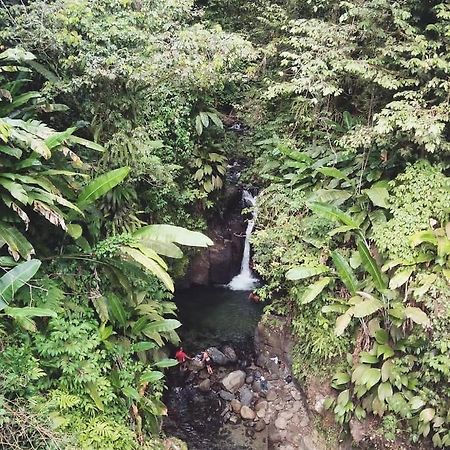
column 112, row 121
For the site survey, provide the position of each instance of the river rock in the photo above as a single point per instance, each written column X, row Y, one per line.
column 261, row 406
column 249, row 380
column 256, row 386
column 234, row 381
column 247, row 413
column 217, row 356
column 281, row 423
column 227, row 396
column 205, row 385
column 260, row 425
column 274, row 434
column 271, row 396
column 236, row 406
column 195, row 365
column 296, row 394
column 246, row 395
column 230, row 353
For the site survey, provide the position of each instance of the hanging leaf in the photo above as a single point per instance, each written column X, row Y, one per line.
column 371, row 266
column 116, row 309
column 150, row 265
column 164, row 363
column 400, row 278
column 345, row 272
column 29, row 311
column 162, row 326
column 417, row 316
column 171, row 233
column 421, row 237
column 92, row 389
column 151, row 376
column 15, row 278
column 101, row 185
column 332, row 172
column 74, row 230
column 367, row 307
column 343, row 321
column 313, row 290
column 302, row 272
column 384, row 391
column 378, row 196
column 333, row 213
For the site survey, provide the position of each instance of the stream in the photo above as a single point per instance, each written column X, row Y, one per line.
column 216, row 316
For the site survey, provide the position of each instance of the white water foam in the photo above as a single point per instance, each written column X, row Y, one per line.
column 245, row 280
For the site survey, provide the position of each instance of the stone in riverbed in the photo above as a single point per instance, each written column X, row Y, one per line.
column 247, row 413
column 271, row 395
column 227, row 396
column 246, row 396
column 217, row 356
column 281, row 423
column 230, row 353
column 234, row 381
column 205, row 385
column 236, row 406
column 249, row 380
column 261, row 405
column 260, row 425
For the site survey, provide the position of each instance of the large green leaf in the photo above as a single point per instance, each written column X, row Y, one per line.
column 417, row 315
column 58, row 138
column 15, row 278
column 333, row 213
column 164, row 363
column 371, row 266
column 345, row 272
column 400, row 278
column 302, row 272
column 343, row 321
column 101, row 185
column 29, row 311
column 313, row 290
column 423, row 236
column 149, row 264
column 378, row 195
column 151, row 376
column 367, row 307
column 171, row 233
column 116, row 309
column 335, row 196
column 161, row 326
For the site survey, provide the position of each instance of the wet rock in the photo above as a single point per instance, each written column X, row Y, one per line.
column 230, row 353
column 274, row 434
column 260, row 425
column 256, row 386
column 195, row 365
column 227, row 396
column 247, row 413
column 281, row 423
column 205, row 385
column 203, row 374
column 234, row 381
column 271, row 396
column 217, row 356
column 234, row 419
column 236, row 406
column 246, row 396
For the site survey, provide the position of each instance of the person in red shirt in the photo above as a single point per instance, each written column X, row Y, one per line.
column 182, row 357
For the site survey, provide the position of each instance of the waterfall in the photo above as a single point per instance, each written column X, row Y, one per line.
column 245, row 281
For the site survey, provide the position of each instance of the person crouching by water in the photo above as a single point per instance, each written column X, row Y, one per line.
column 254, row 297
column 182, row 357
column 207, row 360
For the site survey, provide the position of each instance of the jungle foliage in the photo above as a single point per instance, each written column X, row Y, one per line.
column 116, row 130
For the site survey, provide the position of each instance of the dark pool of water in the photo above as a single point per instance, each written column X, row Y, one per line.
column 211, row 316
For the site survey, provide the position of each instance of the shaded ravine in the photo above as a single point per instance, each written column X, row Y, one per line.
column 211, row 317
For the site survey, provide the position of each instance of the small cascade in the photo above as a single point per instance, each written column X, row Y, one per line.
column 245, row 280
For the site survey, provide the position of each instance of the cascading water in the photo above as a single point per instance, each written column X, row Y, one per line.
column 245, row 280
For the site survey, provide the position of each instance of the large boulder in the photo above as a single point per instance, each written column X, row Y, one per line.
column 234, row 381
column 217, row 356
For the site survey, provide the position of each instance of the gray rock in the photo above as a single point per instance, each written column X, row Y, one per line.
column 217, row 356
column 195, row 365
column 205, row 385
column 260, row 425
column 234, row 381
column 297, row 406
column 246, row 395
column 236, row 406
column 274, row 434
column 296, row 394
column 247, row 413
column 271, row 395
column 256, row 386
column 287, row 415
column 261, row 405
column 230, row 353
column 319, row 405
column 281, row 423
column 249, row 380
column 227, row 396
